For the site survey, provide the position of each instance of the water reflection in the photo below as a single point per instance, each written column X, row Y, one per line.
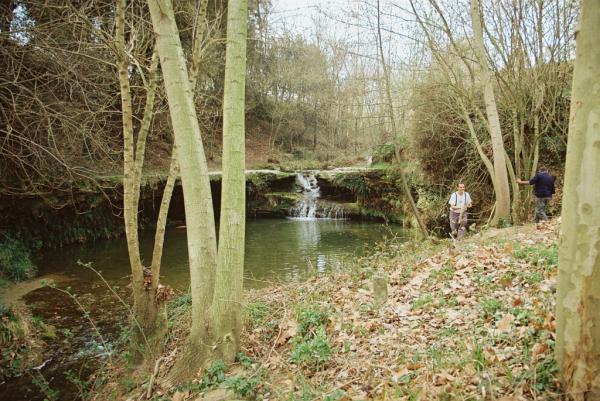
column 276, row 251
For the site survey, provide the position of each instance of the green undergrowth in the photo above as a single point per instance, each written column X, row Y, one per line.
column 243, row 380
column 15, row 260
column 545, row 257
column 311, row 348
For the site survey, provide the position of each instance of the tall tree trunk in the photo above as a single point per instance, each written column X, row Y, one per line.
column 201, row 236
column 148, row 311
column 395, row 133
column 498, row 151
column 225, row 309
column 578, row 315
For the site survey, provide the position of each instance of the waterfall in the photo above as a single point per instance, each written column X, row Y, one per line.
column 306, row 208
column 309, row 207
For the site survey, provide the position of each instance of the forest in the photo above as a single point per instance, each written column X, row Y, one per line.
column 201, row 200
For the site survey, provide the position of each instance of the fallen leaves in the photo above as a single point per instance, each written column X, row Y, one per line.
column 538, row 350
column 505, row 323
column 433, row 338
column 288, row 328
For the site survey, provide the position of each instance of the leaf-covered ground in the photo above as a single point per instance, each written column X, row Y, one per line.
column 413, row 321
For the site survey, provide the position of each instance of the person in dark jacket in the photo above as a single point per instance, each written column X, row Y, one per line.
column 543, row 189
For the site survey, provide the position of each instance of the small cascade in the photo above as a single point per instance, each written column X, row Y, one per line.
column 333, row 211
column 310, row 207
column 306, row 208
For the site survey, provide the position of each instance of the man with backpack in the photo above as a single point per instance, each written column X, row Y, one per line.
column 543, row 189
column 459, row 202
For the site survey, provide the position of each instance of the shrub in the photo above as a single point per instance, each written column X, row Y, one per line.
column 15, row 260
column 355, row 182
column 384, row 153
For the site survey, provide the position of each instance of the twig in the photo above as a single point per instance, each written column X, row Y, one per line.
column 151, row 382
column 42, row 365
column 276, row 340
column 337, row 388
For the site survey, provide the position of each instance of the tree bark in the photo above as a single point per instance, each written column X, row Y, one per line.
column 201, row 236
column 498, row 150
column 578, row 315
column 149, row 319
column 225, row 310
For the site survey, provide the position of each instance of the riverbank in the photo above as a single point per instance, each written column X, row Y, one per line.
column 412, row 321
column 22, row 336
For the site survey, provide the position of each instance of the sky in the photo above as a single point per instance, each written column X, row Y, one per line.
column 298, row 15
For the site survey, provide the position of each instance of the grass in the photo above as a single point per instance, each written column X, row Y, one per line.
column 254, row 313
column 312, row 352
column 19, row 341
column 422, row 302
column 545, row 257
column 490, row 307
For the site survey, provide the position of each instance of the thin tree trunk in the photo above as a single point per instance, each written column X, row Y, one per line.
column 201, row 236
column 161, row 222
column 498, row 150
column 199, row 30
column 578, row 315
column 390, row 108
column 149, row 324
column 225, row 309
column 517, row 144
column 130, row 209
column 486, row 160
column 515, row 188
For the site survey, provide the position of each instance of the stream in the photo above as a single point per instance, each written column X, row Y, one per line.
column 277, row 250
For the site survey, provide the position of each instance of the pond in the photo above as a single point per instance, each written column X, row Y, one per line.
column 277, row 250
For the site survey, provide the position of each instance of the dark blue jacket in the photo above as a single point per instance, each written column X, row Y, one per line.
column 543, row 185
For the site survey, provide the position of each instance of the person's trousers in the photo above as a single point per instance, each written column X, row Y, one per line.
column 540, row 209
column 459, row 226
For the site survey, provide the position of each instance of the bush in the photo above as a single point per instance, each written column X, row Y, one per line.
column 384, row 153
column 355, row 182
column 15, row 260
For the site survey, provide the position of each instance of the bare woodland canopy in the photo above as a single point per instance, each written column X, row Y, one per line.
column 322, row 96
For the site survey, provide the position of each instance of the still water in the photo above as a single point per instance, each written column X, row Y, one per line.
column 276, row 251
